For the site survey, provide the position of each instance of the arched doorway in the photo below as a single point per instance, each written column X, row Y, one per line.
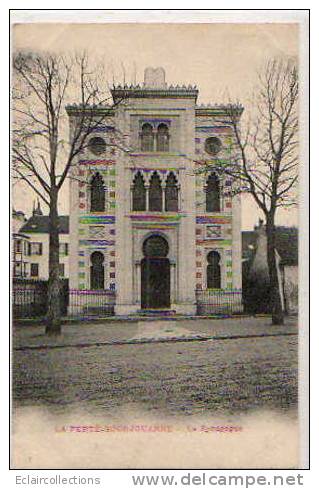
column 155, row 274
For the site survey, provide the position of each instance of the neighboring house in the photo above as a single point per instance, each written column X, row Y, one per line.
column 287, row 247
column 20, row 248
column 37, row 231
column 256, row 291
column 149, row 223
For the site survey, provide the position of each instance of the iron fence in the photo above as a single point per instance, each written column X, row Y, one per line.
column 224, row 301
column 30, row 297
column 91, row 302
column 30, row 300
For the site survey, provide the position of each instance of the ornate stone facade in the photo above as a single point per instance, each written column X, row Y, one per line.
column 151, row 161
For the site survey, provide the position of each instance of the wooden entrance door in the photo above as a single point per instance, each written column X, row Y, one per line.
column 155, row 283
column 155, row 274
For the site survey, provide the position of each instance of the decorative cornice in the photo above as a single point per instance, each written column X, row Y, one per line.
column 157, row 154
column 144, row 87
column 158, row 169
column 155, row 225
column 80, row 109
column 156, row 217
column 219, row 109
column 96, row 162
column 138, row 91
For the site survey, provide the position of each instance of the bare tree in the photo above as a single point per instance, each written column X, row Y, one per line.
column 264, row 157
column 43, row 154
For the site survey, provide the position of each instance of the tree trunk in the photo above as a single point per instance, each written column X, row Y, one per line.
column 53, row 319
column 276, row 306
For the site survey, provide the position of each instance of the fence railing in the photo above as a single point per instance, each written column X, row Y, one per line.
column 30, row 300
column 91, row 302
column 224, row 301
column 30, row 297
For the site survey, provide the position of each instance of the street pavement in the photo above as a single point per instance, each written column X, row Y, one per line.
column 244, row 378
column 110, row 332
column 229, row 373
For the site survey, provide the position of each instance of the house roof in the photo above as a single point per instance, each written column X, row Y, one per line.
column 19, row 236
column 40, row 224
column 286, row 245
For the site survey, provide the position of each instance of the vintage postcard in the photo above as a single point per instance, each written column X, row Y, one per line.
column 159, row 258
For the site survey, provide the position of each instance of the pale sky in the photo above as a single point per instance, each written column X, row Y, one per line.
column 218, row 58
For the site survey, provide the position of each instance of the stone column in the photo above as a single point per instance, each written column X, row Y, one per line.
column 186, row 236
column 236, row 250
column 163, row 198
column 173, row 281
column 137, row 283
column 147, row 187
column 132, row 197
column 74, row 221
column 124, row 252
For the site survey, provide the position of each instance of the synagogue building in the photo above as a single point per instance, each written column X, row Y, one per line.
column 151, row 223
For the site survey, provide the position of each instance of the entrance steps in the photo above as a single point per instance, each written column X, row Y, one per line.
column 156, row 313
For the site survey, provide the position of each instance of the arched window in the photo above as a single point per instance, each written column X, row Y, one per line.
column 162, row 138
column 139, row 193
column 213, row 270
column 212, row 190
column 171, row 193
column 155, row 193
column 97, row 194
column 97, row 271
column 147, row 138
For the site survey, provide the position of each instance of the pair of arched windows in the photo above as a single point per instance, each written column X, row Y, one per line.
column 152, row 140
column 156, row 193
column 212, row 190
column 97, row 193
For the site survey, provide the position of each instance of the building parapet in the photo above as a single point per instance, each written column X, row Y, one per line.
column 219, row 109
column 124, row 92
column 99, row 109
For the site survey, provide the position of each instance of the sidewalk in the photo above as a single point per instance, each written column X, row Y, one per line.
column 129, row 332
